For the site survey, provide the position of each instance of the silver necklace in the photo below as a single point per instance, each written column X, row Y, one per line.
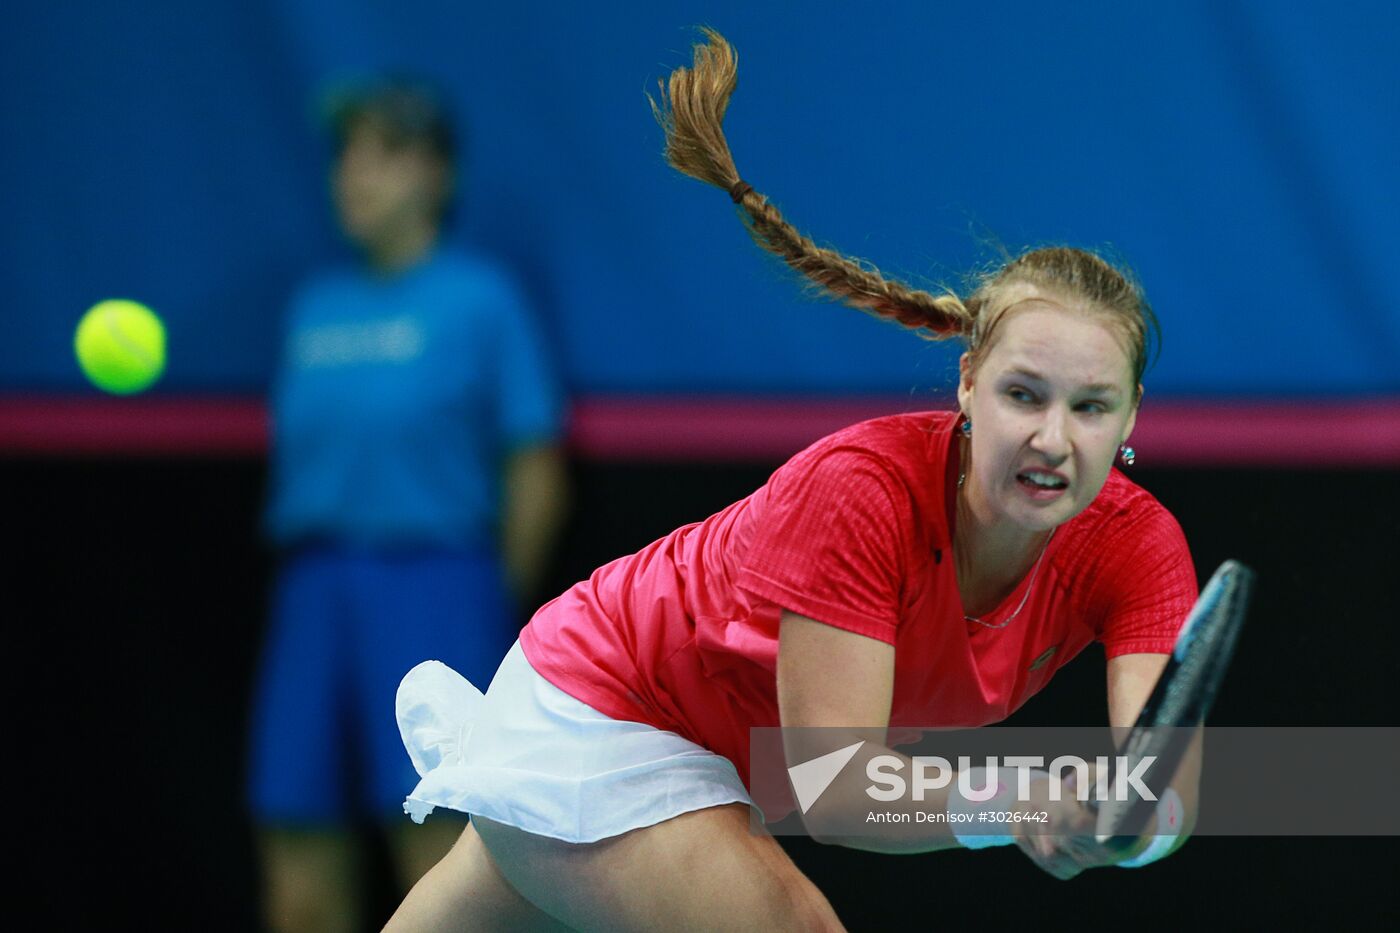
column 1030, row 586
column 1035, row 571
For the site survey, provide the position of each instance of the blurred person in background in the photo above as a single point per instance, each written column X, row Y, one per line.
column 416, row 489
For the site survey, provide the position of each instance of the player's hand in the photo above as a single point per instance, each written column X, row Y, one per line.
column 1064, row 844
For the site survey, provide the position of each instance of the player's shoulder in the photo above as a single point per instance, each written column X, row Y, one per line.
column 898, row 438
column 898, row 450
column 1123, row 520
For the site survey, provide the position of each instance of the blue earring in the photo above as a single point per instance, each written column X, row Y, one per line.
column 967, row 428
column 1128, row 454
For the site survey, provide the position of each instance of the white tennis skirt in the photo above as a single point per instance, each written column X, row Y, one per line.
column 529, row 755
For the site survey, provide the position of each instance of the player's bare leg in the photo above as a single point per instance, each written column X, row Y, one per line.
column 416, row 848
column 687, row 873
column 465, row 891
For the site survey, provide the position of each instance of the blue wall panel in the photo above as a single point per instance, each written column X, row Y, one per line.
column 1241, row 156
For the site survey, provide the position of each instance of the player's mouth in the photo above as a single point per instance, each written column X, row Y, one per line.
column 1042, row 485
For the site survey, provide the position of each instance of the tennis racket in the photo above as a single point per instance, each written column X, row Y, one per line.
column 1181, row 699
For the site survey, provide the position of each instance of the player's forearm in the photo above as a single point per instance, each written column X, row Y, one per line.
column 848, row 815
column 1174, row 816
column 536, row 500
column 1186, row 786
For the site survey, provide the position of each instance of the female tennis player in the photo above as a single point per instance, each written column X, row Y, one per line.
column 929, row 569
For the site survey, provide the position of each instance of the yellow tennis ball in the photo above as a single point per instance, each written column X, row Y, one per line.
column 120, row 346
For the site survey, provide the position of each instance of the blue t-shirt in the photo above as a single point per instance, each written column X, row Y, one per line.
column 398, row 401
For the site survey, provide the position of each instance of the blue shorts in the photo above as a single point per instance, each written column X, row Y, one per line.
column 345, row 627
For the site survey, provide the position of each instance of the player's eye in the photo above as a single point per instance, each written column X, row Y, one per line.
column 1018, row 394
column 1092, row 407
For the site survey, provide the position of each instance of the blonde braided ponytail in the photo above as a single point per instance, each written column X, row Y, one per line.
column 691, row 111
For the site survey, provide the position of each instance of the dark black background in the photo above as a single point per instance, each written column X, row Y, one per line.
column 137, row 609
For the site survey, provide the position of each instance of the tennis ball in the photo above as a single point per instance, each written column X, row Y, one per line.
column 120, row 346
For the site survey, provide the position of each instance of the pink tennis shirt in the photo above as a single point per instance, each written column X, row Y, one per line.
column 856, row 532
